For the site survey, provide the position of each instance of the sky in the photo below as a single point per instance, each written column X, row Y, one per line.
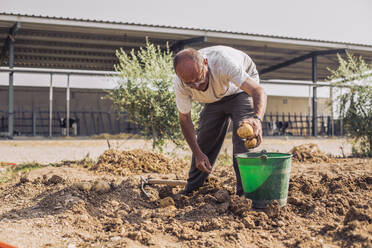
column 330, row 20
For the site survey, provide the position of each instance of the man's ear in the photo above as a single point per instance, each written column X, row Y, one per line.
column 205, row 61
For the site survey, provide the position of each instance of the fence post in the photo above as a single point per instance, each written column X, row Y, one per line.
column 93, row 122
column 296, row 123
column 51, row 106
column 108, row 115
column 271, row 124
column 102, row 125
column 329, row 127
column 86, row 127
column 33, row 122
column 307, row 126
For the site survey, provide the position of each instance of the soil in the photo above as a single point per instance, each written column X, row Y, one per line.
column 329, row 205
column 137, row 161
column 308, row 153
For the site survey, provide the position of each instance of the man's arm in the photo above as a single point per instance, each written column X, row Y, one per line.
column 201, row 160
column 258, row 94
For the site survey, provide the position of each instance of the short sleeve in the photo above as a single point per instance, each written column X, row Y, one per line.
column 235, row 73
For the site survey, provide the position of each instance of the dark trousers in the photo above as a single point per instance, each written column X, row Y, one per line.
column 213, row 126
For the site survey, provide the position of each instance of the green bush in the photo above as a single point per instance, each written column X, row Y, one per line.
column 355, row 102
column 145, row 93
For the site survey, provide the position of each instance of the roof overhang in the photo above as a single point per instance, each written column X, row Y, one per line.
column 50, row 42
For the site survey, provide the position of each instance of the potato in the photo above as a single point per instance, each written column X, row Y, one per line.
column 245, row 131
column 84, row 186
column 101, row 187
column 166, row 202
column 250, row 143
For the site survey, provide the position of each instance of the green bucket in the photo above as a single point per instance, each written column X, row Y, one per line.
column 265, row 176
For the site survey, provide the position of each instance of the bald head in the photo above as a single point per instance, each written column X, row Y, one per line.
column 188, row 54
column 188, row 64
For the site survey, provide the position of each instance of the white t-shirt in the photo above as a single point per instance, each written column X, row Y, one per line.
column 228, row 69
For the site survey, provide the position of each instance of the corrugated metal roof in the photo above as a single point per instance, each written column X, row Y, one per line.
column 86, row 44
column 178, row 27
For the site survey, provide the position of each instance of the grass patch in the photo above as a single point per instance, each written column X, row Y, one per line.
column 26, row 167
column 9, row 170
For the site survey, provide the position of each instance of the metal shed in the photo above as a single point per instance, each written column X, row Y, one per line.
column 29, row 41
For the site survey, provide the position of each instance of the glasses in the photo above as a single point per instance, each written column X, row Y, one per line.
column 199, row 82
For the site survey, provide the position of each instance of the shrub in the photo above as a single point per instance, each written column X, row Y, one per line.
column 355, row 103
column 145, row 93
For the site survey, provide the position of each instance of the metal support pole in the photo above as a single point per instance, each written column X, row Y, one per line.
column 33, row 122
column 309, row 101
column 68, row 105
column 51, row 106
column 332, row 110
column 315, row 114
column 11, row 91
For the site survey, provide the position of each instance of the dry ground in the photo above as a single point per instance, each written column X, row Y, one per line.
column 329, row 205
column 51, row 151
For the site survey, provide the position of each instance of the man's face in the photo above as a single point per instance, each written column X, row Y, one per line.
column 194, row 76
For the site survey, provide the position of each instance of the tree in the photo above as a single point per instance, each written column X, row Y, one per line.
column 355, row 103
column 145, row 93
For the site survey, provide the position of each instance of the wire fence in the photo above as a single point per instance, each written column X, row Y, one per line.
column 300, row 125
column 87, row 123
column 82, row 123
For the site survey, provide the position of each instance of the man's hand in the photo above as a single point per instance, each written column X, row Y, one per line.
column 202, row 162
column 257, row 128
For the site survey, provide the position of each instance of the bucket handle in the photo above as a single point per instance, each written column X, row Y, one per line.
column 263, row 155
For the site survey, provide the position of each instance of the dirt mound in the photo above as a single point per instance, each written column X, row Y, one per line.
column 308, row 153
column 136, row 162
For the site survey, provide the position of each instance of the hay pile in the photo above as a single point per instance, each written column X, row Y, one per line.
column 136, row 162
column 308, row 153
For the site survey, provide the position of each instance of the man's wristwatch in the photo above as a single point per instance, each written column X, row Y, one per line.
column 257, row 117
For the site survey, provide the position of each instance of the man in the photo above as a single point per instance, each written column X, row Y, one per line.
column 226, row 80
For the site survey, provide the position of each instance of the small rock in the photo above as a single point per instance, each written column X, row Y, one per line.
column 55, row 179
column 369, row 180
column 115, row 204
column 24, row 179
column 280, row 223
column 57, row 207
column 165, row 202
column 122, row 213
column 240, row 205
column 223, row 207
column 222, row 195
column 248, row 222
column 14, row 215
column 116, row 238
column 273, row 209
column 71, row 246
column 84, row 186
column 357, row 214
column 114, row 185
column 84, row 218
column 101, row 187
